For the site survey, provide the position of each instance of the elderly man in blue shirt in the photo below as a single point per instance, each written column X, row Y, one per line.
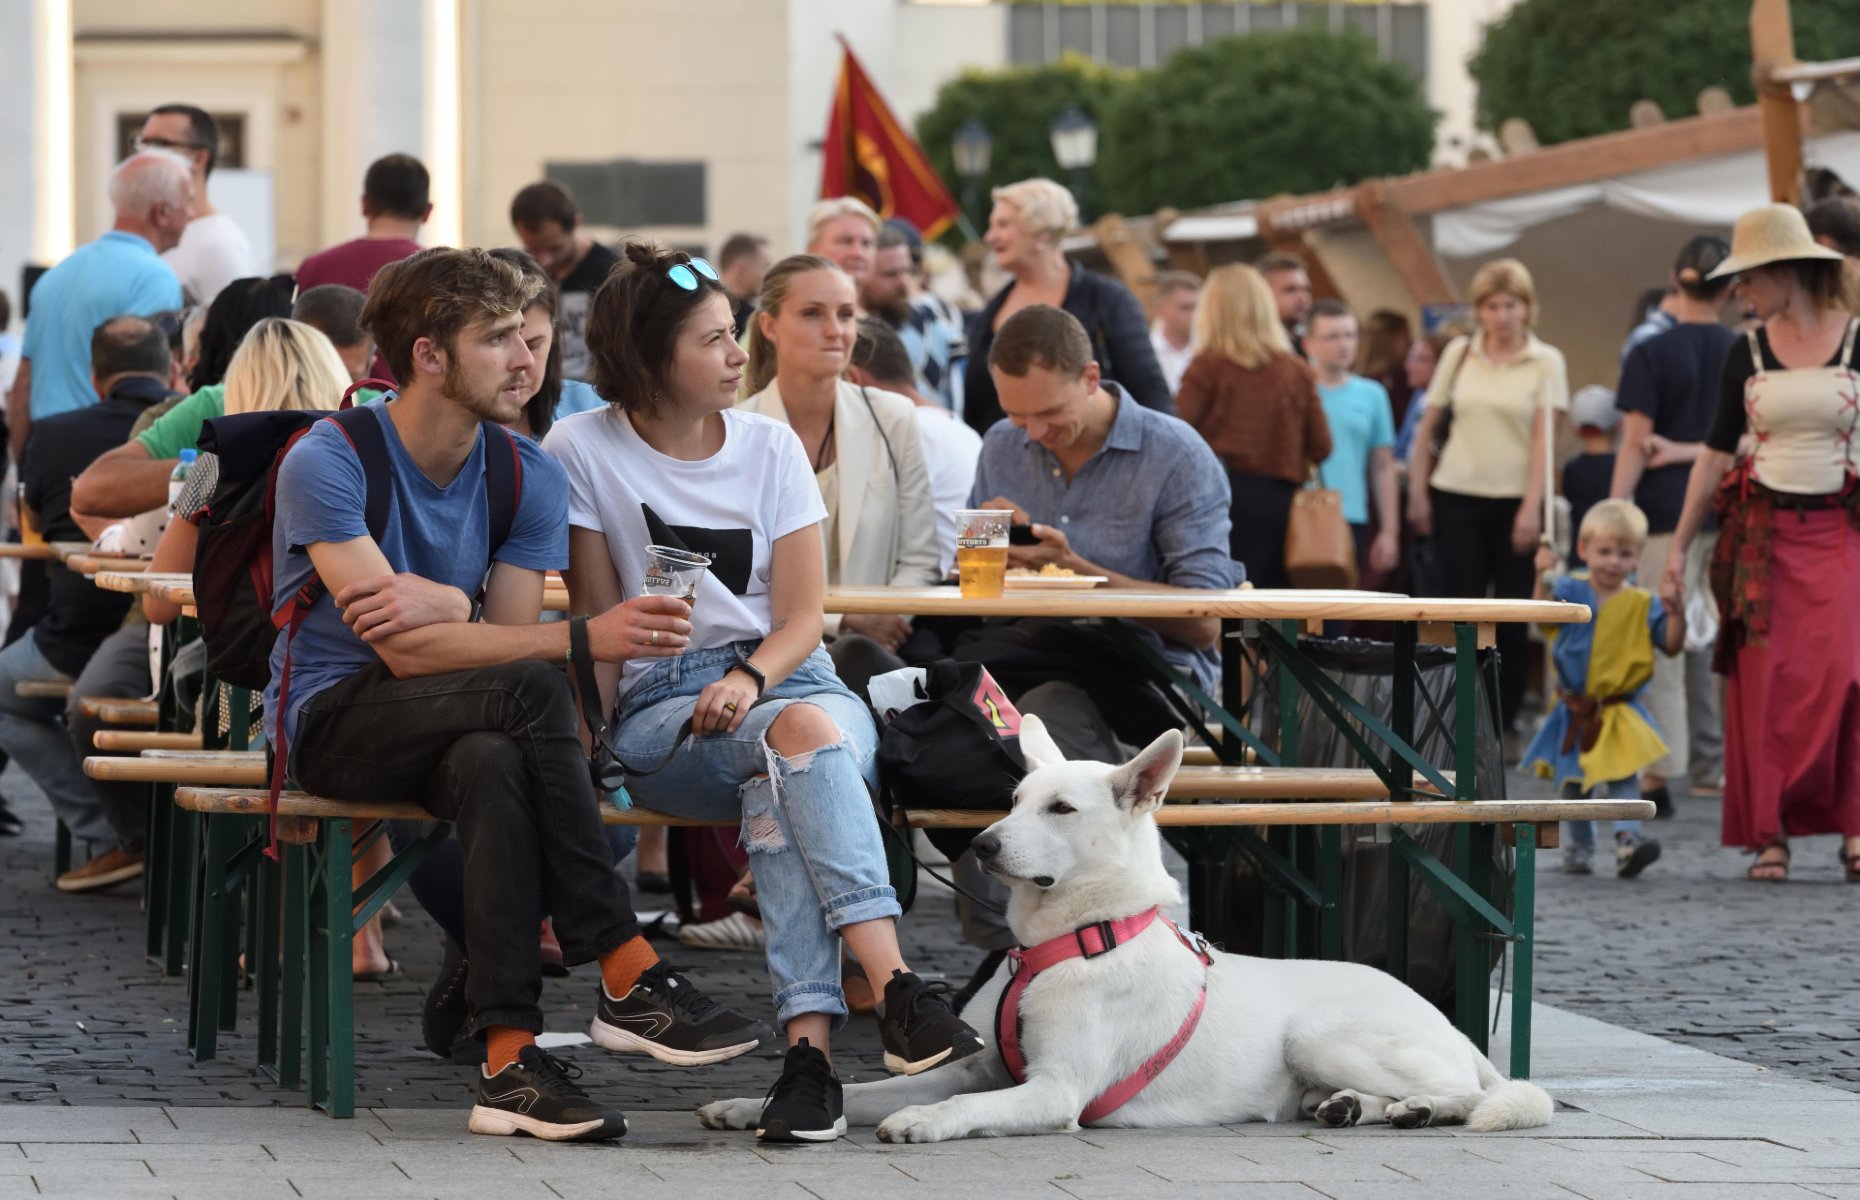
column 1111, row 488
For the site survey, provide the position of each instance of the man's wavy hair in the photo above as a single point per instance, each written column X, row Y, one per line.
column 435, row 294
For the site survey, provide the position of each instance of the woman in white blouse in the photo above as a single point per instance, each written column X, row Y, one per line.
column 862, row 443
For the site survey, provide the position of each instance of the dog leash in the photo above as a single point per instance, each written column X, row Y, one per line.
column 1093, row 941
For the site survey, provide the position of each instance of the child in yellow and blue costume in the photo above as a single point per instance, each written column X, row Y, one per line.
column 1600, row 735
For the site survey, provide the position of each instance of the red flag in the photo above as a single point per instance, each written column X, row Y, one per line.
column 870, row 156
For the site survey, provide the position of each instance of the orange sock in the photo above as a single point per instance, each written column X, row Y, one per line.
column 622, row 966
column 502, row 1044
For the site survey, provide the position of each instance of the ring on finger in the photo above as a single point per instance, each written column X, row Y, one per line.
column 655, row 637
column 730, row 707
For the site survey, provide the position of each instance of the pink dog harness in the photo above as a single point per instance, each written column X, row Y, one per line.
column 1090, row 941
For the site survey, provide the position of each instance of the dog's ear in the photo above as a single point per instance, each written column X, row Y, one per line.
column 1141, row 784
column 1036, row 745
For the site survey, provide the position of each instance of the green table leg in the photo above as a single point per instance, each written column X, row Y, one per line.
column 1524, row 935
column 216, row 939
column 1401, row 722
column 158, row 857
column 296, row 872
column 1470, row 963
column 1330, row 884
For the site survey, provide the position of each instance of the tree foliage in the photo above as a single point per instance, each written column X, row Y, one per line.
column 1018, row 106
column 1249, row 117
column 1573, row 68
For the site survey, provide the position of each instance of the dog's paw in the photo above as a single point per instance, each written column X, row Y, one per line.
column 919, row 1123
column 1340, row 1111
column 730, row 1114
column 1412, row 1113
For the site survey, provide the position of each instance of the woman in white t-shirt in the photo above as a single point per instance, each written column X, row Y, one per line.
column 750, row 721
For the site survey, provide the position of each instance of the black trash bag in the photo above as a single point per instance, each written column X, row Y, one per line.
column 1366, row 670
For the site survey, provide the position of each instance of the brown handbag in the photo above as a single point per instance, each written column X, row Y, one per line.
column 1319, row 551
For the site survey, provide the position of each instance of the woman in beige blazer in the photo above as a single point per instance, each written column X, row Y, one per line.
column 864, row 446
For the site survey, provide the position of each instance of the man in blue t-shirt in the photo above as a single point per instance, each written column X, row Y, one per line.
column 119, row 274
column 1362, row 437
column 397, row 693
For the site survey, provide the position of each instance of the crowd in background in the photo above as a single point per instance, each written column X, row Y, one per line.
column 1708, row 514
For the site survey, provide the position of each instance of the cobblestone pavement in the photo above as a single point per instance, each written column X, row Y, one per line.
column 1690, row 952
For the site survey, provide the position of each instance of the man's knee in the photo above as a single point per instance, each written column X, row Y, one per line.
column 542, row 690
column 480, row 769
column 801, row 729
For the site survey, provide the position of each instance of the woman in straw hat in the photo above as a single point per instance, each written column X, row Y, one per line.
column 1780, row 464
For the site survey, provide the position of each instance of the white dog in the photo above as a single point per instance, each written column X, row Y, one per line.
column 1340, row 1042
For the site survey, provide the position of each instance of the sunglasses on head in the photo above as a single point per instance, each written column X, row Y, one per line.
column 685, row 274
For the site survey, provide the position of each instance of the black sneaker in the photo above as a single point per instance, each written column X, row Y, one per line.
column 537, row 1095
column 1634, row 854
column 918, row 1027
column 806, row 1104
column 666, row 1017
column 443, row 1016
column 10, row 824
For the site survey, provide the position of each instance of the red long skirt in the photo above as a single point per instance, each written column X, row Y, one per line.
column 1792, row 711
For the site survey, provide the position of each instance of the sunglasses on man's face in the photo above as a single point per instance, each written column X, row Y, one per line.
column 685, row 275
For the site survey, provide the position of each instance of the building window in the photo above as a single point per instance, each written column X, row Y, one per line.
column 1146, row 35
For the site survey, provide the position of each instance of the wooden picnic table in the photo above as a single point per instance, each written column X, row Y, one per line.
column 29, row 550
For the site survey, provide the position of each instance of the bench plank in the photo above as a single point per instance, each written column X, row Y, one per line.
column 121, row 712
column 204, row 769
column 131, row 740
column 42, row 689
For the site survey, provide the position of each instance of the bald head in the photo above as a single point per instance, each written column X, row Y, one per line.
column 152, row 192
column 127, row 346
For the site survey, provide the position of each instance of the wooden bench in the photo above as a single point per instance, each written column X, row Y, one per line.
column 202, row 768
column 42, row 689
column 323, row 911
column 130, row 741
column 118, row 711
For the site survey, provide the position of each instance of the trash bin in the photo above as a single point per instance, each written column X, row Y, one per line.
column 1366, row 670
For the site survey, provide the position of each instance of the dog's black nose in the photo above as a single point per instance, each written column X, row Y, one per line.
column 987, row 846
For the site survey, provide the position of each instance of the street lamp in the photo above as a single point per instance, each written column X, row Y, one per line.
column 973, row 148
column 1075, row 145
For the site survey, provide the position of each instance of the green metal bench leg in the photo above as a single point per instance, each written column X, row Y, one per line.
column 61, row 850
column 1330, row 884
column 183, row 860
column 216, row 945
column 1524, row 937
column 262, row 964
column 158, row 858
column 332, row 1012
column 294, row 924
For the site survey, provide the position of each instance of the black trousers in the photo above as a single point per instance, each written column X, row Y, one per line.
column 1261, row 507
column 119, row 669
column 1472, row 537
column 496, row 751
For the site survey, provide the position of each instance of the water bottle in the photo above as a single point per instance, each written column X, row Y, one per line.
column 177, row 480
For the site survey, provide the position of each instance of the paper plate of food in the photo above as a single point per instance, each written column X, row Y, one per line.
column 1051, row 578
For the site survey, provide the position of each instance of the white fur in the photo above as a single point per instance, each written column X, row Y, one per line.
column 1344, row 1043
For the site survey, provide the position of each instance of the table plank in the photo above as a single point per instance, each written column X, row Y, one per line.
column 39, row 550
column 1269, row 604
column 1417, row 812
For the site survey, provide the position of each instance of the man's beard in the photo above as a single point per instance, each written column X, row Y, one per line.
column 893, row 312
column 486, row 406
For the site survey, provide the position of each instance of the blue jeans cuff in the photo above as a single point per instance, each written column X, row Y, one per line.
column 866, row 904
column 800, row 999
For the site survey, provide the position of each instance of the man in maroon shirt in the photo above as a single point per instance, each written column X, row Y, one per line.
column 395, row 205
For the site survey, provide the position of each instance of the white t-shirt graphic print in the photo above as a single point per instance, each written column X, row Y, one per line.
column 731, row 507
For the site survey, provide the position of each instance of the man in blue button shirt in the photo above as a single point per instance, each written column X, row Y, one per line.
column 1110, row 488
column 119, row 274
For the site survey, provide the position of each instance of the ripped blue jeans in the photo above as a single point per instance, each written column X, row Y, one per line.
column 807, row 821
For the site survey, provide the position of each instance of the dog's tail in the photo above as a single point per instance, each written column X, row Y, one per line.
column 1511, row 1104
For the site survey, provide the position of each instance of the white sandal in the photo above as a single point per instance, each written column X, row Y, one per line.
column 733, row 932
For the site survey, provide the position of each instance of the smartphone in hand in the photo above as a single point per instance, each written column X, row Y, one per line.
column 1022, row 535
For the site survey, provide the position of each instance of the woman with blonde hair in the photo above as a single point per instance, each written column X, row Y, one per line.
column 862, row 443
column 1257, row 405
column 1029, row 221
column 1481, row 497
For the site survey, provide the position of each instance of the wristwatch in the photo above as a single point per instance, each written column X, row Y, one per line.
column 753, row 671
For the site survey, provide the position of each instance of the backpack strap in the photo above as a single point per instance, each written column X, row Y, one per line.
column 503, row 481
column 362, row 427
column 380, row 385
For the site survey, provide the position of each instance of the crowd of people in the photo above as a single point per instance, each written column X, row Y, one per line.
column 816, row 420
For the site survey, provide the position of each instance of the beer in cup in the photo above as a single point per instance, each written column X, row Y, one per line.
column 981, row 550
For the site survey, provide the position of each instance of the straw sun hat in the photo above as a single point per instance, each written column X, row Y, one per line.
column 1771, row 234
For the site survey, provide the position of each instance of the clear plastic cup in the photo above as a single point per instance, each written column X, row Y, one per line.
column 673, row 572
column 981, row 551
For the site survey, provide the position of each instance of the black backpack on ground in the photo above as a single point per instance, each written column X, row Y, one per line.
column 233, row 567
